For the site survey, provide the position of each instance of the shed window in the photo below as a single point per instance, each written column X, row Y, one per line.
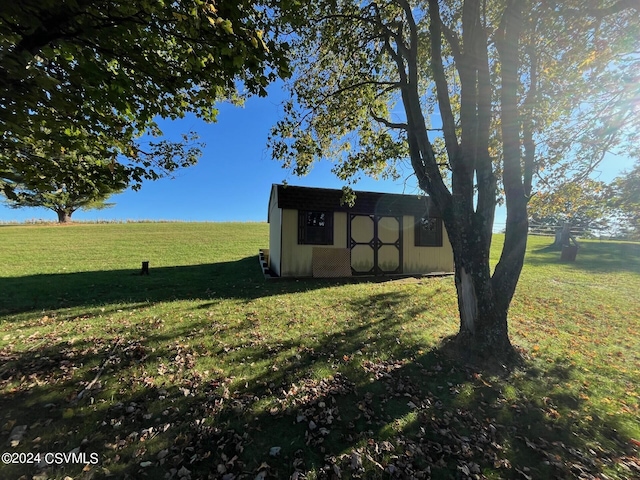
column 428, row 232
column 315, row 228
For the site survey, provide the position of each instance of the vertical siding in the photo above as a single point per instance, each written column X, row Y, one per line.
column 340, row 230
column 425, row 259
column 297, row 259
column 275, row 239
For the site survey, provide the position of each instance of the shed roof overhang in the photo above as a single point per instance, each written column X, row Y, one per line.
column 367, row 203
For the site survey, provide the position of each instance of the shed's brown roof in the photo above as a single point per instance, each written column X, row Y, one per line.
column 325, row 199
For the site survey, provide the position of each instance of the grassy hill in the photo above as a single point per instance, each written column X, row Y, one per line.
column 204, row 370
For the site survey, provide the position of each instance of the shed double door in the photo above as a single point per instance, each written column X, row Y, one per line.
column 376, row 244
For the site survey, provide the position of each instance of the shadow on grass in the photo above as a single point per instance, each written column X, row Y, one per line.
column 593, row 256
column 241, row 279
column 363, row 401
column 53, row 291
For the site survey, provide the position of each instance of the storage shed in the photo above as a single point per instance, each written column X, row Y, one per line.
column 312, row 234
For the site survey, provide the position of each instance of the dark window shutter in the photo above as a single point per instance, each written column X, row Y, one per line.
column 428, row 232
column 302, row 224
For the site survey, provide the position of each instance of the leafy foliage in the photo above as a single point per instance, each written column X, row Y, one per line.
column 74, row 182
column 45, row 174
column 592, row 204
column 593, row 108
column 91, row 76
column 584, row 204
column 626, row 200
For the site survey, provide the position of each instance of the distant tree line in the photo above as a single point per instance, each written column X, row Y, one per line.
column 594, row 207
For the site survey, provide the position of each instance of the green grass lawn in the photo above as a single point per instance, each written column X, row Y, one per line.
column 204, row 370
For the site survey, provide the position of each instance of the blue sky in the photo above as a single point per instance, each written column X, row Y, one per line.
column 232, row 180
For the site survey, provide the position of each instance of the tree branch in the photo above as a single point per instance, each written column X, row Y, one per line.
column 601, row 13
column 442, row 88
column 387, row 123
column 412, row 50
column 507, row 43
column 484, row 163
column 453, row 40
column 354, row 86
column 509, row 266
column 527, row 126
column 399, row 61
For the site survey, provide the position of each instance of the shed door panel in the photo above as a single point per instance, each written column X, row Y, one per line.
column 362, row 260
column 376, row 244
column 389, row 259
column 362, row 229
column 388, row 230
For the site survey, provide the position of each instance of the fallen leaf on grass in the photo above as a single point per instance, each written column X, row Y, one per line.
column 275, row 451
column 16, row 435
column 184, row 473
column 356, row 461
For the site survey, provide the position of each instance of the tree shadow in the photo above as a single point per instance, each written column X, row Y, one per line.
column 361, row 401
column 240, row 279
column 597, row 257
column 126, row 406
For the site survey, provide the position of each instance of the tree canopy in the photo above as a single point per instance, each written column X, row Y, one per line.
column 91, row 76
column 585, row 204
column 626, row 201
column 63, row 184
column 477, row 96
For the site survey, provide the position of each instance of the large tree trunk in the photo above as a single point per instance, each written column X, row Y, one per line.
column 483, row 300
column 468, row 209
column 483, row 317
column 64, row 216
